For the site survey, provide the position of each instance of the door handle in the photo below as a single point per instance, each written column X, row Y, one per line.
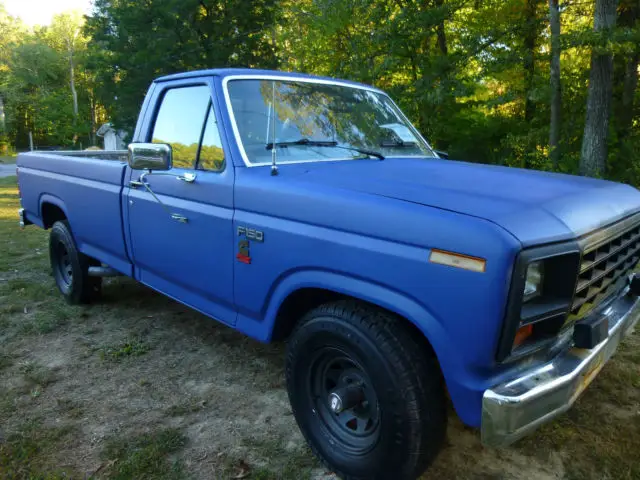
column 187, row 177
column 179, row 218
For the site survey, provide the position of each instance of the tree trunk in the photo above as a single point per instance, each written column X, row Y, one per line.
column 442, row 37
column 628, row 94
column 2, row 117
column 92, row 105
column 556, row 92
column 629, row 16
column 72, row 82
column 593, row 157
column 530, row 37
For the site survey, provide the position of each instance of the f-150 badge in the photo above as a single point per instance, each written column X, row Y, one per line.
column 243, row 254
column 251, row 234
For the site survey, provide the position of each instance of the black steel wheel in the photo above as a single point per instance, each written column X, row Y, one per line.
column 368, row 397
column 70, row 267
column 62, row 264
column 344, row 398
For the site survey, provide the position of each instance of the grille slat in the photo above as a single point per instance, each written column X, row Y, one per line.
column 587, row 264
column 609, row 256
column 609, row 267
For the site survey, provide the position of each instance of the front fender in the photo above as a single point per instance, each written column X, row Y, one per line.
column 371, row 292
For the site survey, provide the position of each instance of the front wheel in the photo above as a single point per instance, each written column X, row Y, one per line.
column 367, row 396
column 70, row 267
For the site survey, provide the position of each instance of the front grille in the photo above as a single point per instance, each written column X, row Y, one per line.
column 608, row 257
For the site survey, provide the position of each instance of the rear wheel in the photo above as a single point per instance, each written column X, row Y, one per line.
column 367, row 396
column 70, row 267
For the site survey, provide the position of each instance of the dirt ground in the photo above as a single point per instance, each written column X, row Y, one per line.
column 139, row 386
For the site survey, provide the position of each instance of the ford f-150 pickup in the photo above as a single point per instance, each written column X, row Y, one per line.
column 308, row 209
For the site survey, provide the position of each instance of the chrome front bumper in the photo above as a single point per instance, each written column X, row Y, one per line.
column 515, row 408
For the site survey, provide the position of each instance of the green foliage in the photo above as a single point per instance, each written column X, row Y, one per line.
column 484, row 97
column 35, row 77
column 134, row 42
column 472, row 76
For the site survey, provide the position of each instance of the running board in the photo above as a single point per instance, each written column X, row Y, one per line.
column 103, row 272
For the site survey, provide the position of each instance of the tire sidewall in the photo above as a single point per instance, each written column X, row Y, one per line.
column 60, row 233
column 391, row 448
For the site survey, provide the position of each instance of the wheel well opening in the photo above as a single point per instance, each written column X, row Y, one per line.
column 296, row 305
column 51, row 214
column 306, row 299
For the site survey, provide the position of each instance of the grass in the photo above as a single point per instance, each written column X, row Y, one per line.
column 5, row 361
column 28, row 455
column 8, row 158
column 132, row 348
column 284, row 464
column 144, row 456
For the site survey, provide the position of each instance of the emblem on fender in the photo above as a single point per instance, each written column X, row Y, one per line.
column 251, row 234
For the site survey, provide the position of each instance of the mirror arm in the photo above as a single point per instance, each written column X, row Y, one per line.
column 148, row 188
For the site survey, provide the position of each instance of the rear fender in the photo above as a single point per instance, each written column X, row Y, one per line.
column 53, row 200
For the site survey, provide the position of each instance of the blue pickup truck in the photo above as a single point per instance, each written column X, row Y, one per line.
column 308, row 209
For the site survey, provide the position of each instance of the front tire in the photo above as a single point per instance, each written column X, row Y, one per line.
column 70, row 267
column 367, row 396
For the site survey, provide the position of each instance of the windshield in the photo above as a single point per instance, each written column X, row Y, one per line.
column 315, row 122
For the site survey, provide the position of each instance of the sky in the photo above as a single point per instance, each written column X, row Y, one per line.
column 40, row 12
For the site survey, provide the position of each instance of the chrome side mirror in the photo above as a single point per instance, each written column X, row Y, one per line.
column 150, row 156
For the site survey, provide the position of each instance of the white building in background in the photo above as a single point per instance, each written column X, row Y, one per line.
column 113, row 139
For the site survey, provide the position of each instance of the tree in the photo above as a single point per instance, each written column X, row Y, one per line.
column 629, row 18
column 531, row 30
column 10, row 28
column 556, row 98
column 134, row 42
column 593, row 156
column 65, row 35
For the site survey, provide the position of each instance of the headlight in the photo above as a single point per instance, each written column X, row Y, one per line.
column 542, row 288
column 533, row 281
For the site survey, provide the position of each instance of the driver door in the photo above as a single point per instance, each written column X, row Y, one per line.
column 181, row 235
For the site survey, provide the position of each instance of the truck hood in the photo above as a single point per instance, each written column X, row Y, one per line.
column 535, row 207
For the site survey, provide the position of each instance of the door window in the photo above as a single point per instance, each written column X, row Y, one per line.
column 180, row 120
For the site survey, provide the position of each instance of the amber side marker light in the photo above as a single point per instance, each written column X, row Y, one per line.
column 522, row 334
column 458, row 260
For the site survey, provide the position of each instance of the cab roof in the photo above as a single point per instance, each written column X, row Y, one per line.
column 226, row 72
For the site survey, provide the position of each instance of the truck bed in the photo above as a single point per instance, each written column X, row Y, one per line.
column 86, row 188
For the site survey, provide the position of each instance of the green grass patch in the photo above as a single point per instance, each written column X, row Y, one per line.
column 145, row 456
column 131, row 348
column 30, row 454
column 6, row 361
column 36, row 376
column 70, row 408
column 183, row 409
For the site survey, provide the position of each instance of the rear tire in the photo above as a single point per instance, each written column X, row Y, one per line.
column 71, row 268
column 371, row 360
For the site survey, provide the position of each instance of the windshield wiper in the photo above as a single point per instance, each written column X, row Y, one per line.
column 324, row 143
column 398, row 144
